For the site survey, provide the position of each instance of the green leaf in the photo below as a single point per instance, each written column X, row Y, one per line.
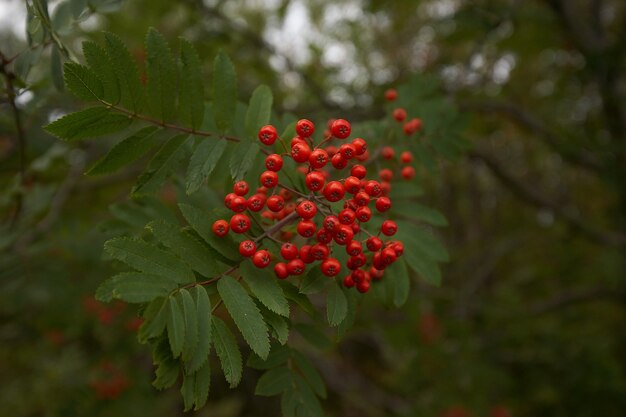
column 413, row 210
column 162, row 77
column 243, row 159
column 398, row 274
column 204, row 318
column 150, row 259
column 224, row 91
column 347, row 323
column 274, row 381
column 188, row 391
column 175, row 327
column 134, row 287
column 308, row 405
column 160, row 165
column 202, row 385
column 203, row 161
column 185, row 247
column 422, row 241
column 191, row 87
column 202, row 222
column 264, row 286
column 191, row 324
column 155, row 318
column 126, row 151
column 89, row 123
column 291, row 292
column 313, row 335
column 101, row 65
column 82, row 82
column 132, row 94
column 336, row 305
column 245, row 314
column 56, row 67
column 168, row 369
column 259, row 110
column 311, row 374
column 314, row 281
column 227, row 351
column 277, row 323
column 279, row 355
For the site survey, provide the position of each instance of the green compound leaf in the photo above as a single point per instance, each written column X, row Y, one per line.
column 264, row 286
column 125, row 69
column 227, row 351
column 82, row 82
column 191, row 101
column 89, row 123
column 134, row 287
column 162, row 77
column 259, row 110
column 224, row 91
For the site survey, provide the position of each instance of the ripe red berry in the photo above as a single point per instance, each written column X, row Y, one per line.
column 374, row 243
column 363, row 214
column 305, row 254
column 357, row 261
column 239, row 223
column 268, row 134
column 240, row 188
column 256, row 202
column 389, row 228
column 314, row 180
column 348, row 282
column 347, row 151
column 340, row 128
column 363, row 286
column 319, row 251
column 399, row 248
column 389, row 256
column 333, row 191
column 318, row 158
column 358, row 275
column 347, row 216
column 220, row 228
column 305, row 128
column 297, row 140
column 296, row 267
column 373, row 188
column 274, row 162
column 352, row 185
column 306, row 228
column 399, row 114
column 387, row 152
column 331, row 223
column 354, row 248
column 406, row 157
column 247, row 248
column 338, row 161
column 275, row 203
column 344, row 235
column 391, row 94
column 228, row 200
column 383, row 204
column 408, row 172
column 362, row 198
column 300, row 152
column 280, row 269
column 306, row 209
column 376, row 273
column 269, row 179
column 289, row 251
column 360, row 146
column 324, row 236
column 261, row 258
column 358, row 171
column 331, row 267
column 332, row 150
column 238, row 204
column 385, row 175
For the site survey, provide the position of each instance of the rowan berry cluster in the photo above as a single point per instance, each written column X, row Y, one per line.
column 399, row 114
column 322, row 224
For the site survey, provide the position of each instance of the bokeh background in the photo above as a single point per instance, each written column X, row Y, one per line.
column 531, row 315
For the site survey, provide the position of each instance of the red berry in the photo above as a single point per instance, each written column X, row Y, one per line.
column 389, row 256
column 220, row 228
column 305, row 128
column 269, row 179
column 297, row 140
column 280, row 269
column 385, row 175
column 319, row 251
column 324, row 236
column 261, row 259
column 331, row 223
column 376, row 274
column 347, row 151
column 399, row 114
column 363, row 214
column 358, row 171
column 373, row 188
column 383, row 204
column 351, row 204
column 289, row 251
column 275, row 203
column 296, row 267
column 358, row 275
column 305, row 254
column 340, row 128
column 385, row 188
column 318, row 158
column 399, row 248
column 241, row 188
column 247, row 248
column 355, row 262
column 274, row 162
column 306, row 228
column 268, row 134
column 389, row 228
column 344, row 235
column 228, row 200
column 354, row 248
column 300, row 152
column 338, row 161
column 347, row 216
column 362, row 198
column 239, row 223
column 333, row 191
column 331, row 267
column 391, row 95
column 363, row 157
column 387, row 152
column 408, row 172
column 374, row 244
column 363, row 286
column 286, row 194
column 348, row 282
column 360, row 146
column 352, row 185
column 314, row 180
column 256, row 202
column 406, row 157
column 307, row 209
column 238, row 204
column 331, row 150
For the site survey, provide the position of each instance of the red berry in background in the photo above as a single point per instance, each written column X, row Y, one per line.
column 300, row 152
column 406, row 157
column 399, row 114
column 289, row 251
column 347, row 151
column 408, row 172
column 338, row 161
column 429, row 328
column 333, row 191
column 247, row 248
column 229, row 199
column 318, row 158
column 387, row 152
column 305, row 128
column 269, row 179
column 256, row 202
column 399, row 248
column 385, row 188
column 388, row 256
column 286, row 194
column 331, row 150
column 348, row 281
column 305, row 254
column 280, row 269
column 274, row 162
column 275, row 203
column 360, row 146
column 377, row 261
column 331, row 267
column 347, row 216
column 324, row 236
column 363, row 157
column 356, row 228
column 374, row 243
column 362, row 199
column 417, row 124
column 363, row 286
column 220, row 228
column 306, row 228
column 391, row 94
column 350, row 204
column 241, row 188
column 319, row 251
column 352, row 185
column 372, row 188
column 344, row 235
column 262, row 190
column 268, row 135
column 389, row 228
column 261, row 258
column 354, row 248
column 239, row 223
column 376, row 273
column 385, row 175
column 307, row 209
column 296, row 141
column 500, row 411
column 363, row 214
column 358, row 275
column 340, row 128
column 331, row 223
column 238, row 204
column 296, row 267
column 358, row 171
column 314, row 180
column 383, row 204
